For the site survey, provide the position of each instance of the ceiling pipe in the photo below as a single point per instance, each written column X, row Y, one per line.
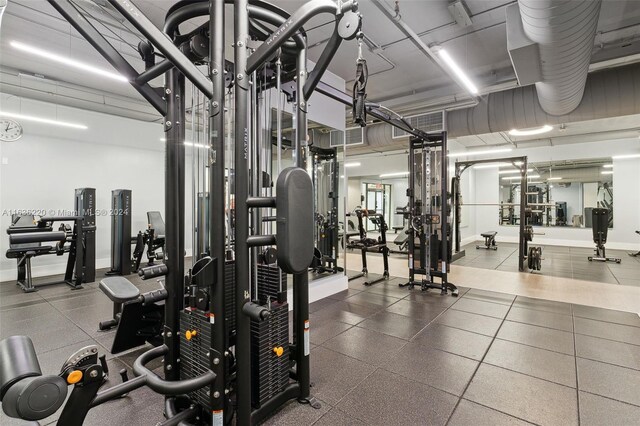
column 613, row 92
column 394, row 16
column 564, row 32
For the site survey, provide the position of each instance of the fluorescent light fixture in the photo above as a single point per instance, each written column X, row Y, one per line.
column 607, row 172
column 453, row 66
column 608, row 166
column 394, row 174
column 530, row 132
column 554, row 178
column 43, row 120
column 624, row 157
column 510, row 171
column 66, row 61
column 341, row 176
column 197, row 145
column 480, row 152
column 518, row 177
column 188, row 143
column 354, row 164
column 487, row 166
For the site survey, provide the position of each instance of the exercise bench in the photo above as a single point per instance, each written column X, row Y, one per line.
column 489, row 241
column 137, row 316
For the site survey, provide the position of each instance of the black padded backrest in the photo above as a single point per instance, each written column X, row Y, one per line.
column 294, row 210
column 156, row 222
column 600, row 224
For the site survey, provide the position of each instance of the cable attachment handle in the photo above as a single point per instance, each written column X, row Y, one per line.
column 360, row 86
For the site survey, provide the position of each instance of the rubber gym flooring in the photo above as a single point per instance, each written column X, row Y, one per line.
column 564, row 262
column 385, row 355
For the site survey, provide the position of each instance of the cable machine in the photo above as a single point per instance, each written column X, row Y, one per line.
column 325, row 173
column 429, row 214
column 221, row 360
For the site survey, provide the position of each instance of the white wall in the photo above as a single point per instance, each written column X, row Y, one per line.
column 626, row 193
column 42, row 169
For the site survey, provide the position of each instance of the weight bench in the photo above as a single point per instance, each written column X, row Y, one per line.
column 139, row 317
column 638, row 252
column 489, row 241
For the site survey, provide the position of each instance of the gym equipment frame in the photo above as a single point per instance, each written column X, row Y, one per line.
column 600, row 225
column 533, row 255
column 201, row 372
column 429, row 233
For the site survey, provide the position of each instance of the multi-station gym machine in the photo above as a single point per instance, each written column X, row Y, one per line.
column 223, row 358
column 529, row 257
column 428, row 213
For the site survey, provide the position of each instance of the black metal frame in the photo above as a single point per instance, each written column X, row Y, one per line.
column 430, row 265
column 289, row 37
column 328, row 261
column 460, row 167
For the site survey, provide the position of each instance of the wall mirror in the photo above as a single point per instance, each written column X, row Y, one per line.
column 560, row 193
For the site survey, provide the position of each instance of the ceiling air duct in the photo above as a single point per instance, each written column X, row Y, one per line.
column 562, row 33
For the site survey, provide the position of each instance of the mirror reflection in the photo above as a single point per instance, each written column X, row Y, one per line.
column 560, row 193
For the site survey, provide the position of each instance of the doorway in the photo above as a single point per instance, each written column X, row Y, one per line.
column 378, row 196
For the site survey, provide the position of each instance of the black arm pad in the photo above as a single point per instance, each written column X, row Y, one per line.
column 153, row 271
column 27, row 229
column 153, row 296
column 37, row 237
column 18, row 360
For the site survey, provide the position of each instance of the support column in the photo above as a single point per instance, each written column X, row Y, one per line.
column 243, row 323
column 217, row 232
column 174, row 218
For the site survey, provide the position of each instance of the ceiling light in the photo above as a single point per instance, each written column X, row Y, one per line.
column 394, row 174
column 453, row 66
column 505, row 172
column 66, row 61
column 341, row 176
column 530, row 132
column 519, row 177
column 481, row 152
column 554, row 178
column 354, row 164
column 188, row 143
column 624, row 157
column 607, row 172
column 608, row 166
column 43, row 120
column 487, row 166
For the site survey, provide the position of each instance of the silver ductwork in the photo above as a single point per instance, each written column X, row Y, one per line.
column 564, row 32
column 613, row 92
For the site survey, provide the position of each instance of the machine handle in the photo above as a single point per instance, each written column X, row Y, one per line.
column 165, row 387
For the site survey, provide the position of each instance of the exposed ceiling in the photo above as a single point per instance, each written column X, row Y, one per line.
column 400, row 75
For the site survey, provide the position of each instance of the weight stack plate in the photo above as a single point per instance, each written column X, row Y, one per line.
column 270, row 372
column 269, row 283
column 230, row 297
column 193, row 353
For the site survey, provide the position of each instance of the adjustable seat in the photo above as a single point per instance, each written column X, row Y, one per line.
column 120, row 290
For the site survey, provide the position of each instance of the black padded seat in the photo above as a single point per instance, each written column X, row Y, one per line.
column 489, row 234
column 119, row 289
column 21, row 249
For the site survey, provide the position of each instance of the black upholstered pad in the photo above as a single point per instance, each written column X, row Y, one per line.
column 489, row 234
column 119, row 289
column 20, row 249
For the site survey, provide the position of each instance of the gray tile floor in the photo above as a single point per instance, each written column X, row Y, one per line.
column 385, row 355
column 564, row 262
